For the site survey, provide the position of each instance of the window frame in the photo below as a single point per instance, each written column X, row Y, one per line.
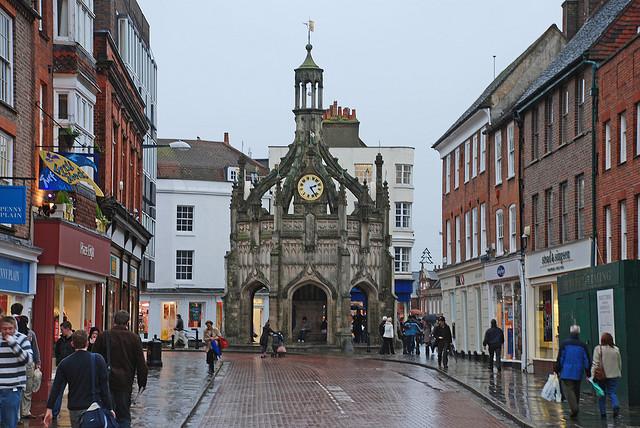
column 403, row 218
column 467, row 235
column 548, row 207
column 499, row 232
column 483, row 228
column 474, row 227
column 6, row 161
column 483, row 152
column 580, row 207
column 622, row 137
column 467, row 161
column 607, row 145
column 184, row 255
column 511, row 152
column 535, row 134
column 513, row 226
column 456, row 168
column 564, row 212
column 402, row 258
column 447, row 173
column 404, row 174
column 535, row 221
column 624, row 253
column 449, row 242
column 185, row 223
column 608, row 234
column 497, row 142
column 474, row 156
column 458, row 239
column 7, row 63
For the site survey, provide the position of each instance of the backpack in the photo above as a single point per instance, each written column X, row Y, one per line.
column 96, row 416
column 23, row 326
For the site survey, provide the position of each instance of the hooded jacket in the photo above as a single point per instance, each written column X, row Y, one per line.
column 573, row 359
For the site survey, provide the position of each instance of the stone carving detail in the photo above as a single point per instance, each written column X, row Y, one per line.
column 353, row 226
column 266, row 226
column 327, row 225
column 293, row 225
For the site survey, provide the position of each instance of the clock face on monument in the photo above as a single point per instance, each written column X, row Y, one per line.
column 310, row 187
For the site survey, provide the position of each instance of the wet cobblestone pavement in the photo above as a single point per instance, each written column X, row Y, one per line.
column 171, row 393
column 519, row 394
column 331, row 391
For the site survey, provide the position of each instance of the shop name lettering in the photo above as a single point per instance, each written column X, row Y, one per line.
column 557, row 257
column 87, row 250
column 10, row 275
column 69, row 172
column 10, row 212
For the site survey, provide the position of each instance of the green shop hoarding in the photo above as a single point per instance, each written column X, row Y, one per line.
column 605, row 299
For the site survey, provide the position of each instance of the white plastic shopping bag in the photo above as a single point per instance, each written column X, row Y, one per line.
column 551, row 389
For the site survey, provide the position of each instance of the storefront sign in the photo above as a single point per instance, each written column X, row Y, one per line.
column 13, row 204
column 67, row 170
column 606, row 314
column 14, row 275
column 68, row 245
column 504, row 270
column 558, row 260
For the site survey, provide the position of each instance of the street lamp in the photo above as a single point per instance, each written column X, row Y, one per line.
column 175, row 145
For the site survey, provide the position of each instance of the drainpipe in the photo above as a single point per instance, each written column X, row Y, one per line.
column 594, row 157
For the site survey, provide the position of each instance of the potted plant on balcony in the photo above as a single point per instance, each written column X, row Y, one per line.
column 64, row 206
column 102, row 222
column 66, row 137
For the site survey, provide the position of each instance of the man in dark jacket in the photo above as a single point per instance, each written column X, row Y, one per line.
column 76, row 371
column 442, row 334
column 494, row 339
column 122, row 350
column 572, row 364
column 62, row 350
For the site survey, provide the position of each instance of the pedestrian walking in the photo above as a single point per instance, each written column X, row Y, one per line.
column 76, row 371
column 411, row 330
column 400, row 331
column 62, row 350
column 572, row 365
column 442, row 334
column 94, row 332
column 304, row 329
column 607, row 370
column 211, row 334
column 122, row 350
column 381, row 332
column 15, row 353
column 181, row 337
column 387, row 337
column 22, row 322
column 264, row 338
column 494, row 339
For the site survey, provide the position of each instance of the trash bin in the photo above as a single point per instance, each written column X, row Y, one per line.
column 154, row 353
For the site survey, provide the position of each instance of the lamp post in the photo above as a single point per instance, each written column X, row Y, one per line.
column 175, row 145
column 523, row 292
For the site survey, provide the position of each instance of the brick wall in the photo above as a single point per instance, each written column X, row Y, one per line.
column 17, row 121
column 620, row 93
column 558, row 161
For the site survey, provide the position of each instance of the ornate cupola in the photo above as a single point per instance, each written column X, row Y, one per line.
column 308, row 92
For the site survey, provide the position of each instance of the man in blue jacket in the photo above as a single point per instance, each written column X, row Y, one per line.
column 572, row 364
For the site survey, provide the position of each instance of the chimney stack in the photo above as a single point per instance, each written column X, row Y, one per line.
column 226, row 138
column 570, row 18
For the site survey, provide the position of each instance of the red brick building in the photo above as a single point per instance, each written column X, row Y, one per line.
column 556, row 135
column 481, row 205
column 120, row 127
column 618, row 149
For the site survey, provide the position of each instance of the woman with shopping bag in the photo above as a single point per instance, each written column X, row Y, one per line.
column 606, row 371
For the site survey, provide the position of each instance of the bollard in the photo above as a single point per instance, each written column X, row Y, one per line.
column 173, row 341
column 154, row 353
column 197, row 339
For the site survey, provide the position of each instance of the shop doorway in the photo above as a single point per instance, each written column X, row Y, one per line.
column 168, row 321
column 259, row 313
column 309, row 301
column 359, row 318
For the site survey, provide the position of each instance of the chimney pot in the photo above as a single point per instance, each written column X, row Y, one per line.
column 226, row 138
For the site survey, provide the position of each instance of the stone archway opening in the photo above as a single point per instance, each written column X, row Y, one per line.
column 259, row 313
column 310, row 302
column 359, row 315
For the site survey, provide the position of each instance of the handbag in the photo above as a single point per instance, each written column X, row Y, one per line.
column 281, row 349
column 599, row 373
column 96, row 416
column 37, row 379
column 224, row 344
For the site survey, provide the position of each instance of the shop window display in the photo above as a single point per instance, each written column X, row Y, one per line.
column 195, row 314
column 508, row 316
column 546, row 322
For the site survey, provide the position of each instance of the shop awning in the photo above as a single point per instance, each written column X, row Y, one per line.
column 403, row 289
column 67, row 171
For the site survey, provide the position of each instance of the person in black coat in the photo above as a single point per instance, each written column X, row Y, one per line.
column 494, row 339
column 264, row 338
column 442, row 334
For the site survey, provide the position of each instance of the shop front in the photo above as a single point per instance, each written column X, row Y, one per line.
column 542, row 269
column 71, row 279
column 465, row 306
column 159, row 308
column 505, row 304
column 18, row 265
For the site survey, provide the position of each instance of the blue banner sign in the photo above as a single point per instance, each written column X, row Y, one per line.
column 14, row 275
column 13, row 204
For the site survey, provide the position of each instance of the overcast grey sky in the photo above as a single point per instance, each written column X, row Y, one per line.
column 410, row 68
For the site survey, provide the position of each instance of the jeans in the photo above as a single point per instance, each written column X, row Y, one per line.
column 122, row 407
column 609, row 386
column 302, row 335
column 74, row 417
column 497, row 350
column 410, row 342
column 571, row 391
column 10, row 407
column 25, row 408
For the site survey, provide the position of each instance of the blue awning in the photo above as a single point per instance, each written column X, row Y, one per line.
column 403, row 289
column 357, row 295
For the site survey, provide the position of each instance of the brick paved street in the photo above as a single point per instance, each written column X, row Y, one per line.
column 322, row 391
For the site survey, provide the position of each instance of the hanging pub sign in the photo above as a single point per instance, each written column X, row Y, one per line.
column 67, row 171
column 13, row 204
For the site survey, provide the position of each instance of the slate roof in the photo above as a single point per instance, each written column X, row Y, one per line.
column 483, row 99
column 583, row 40
column 206, row 160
